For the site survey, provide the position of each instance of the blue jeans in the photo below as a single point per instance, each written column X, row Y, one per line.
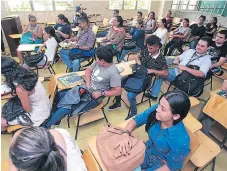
column 193, row 44
column 64, row 53
column 132, row 102
column 124, row 52
column 58, row 116
column 158, row 82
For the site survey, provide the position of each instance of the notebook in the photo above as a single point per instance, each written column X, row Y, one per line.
column 70, row 79
column 5, row 89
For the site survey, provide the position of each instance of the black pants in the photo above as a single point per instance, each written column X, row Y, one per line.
column 2, row 45
column 171, row 45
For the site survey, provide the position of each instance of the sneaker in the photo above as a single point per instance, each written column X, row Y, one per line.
column 148, row 95
column 114, row 106
column 130, row 116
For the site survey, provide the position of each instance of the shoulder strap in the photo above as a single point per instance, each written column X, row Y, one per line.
column 61, row 149
column 194, row 59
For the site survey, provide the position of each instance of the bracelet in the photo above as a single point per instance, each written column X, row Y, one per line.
column 126, row 131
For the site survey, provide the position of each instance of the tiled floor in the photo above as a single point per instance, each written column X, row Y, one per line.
column 116, row 117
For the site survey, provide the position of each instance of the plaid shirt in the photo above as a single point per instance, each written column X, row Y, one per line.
column 86, row 38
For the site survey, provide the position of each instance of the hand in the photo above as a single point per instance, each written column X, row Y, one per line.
column 57, row 31
column 39, row 50
column 67, row 40
column 212, row 66
column 125, row 145
column 182, row 67
column 96, row 94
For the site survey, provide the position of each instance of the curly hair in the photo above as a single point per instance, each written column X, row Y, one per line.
column 17, row 75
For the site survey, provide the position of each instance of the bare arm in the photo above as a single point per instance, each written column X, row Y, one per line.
column 66, row 36
column 176, row 60
column 24, row 98
column 158, row 72
column 221, row 61
column 211, row 32
column 115, row 91
column 88, row 77
column 25, row 29
column 39, row 34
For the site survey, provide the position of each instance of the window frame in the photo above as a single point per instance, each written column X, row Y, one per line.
column 123, row 8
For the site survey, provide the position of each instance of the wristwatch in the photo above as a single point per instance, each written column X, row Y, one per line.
column 102, row 93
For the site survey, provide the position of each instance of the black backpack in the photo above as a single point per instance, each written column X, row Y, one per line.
column 138, row 81
column 33, row 60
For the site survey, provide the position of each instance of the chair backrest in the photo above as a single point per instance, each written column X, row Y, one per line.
column 105, row 22
column 194, row 144
column 90, row 161
column 95, row 29
column 52, row 87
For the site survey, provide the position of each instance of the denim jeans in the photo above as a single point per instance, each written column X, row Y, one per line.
column 58, row 116
column 64, row 53
column 193, row 44
column 158, row 82
column 132, row 102
column 124, row 52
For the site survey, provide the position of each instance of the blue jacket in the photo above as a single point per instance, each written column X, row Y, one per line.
column 138, row 35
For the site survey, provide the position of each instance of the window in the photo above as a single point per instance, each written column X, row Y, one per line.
column 42, row 5
column 129, row 4
column 64, row 5
column 184, row 4
column 18, row 5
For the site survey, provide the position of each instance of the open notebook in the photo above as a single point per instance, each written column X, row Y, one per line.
column 70, row 79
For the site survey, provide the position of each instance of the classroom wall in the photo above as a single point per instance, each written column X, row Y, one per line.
column 194, row 15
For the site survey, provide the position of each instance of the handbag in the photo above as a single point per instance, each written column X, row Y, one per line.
column 33, row 60
column 12, row 109
column 138, row 81
column 190, row 84
column 129, row 45
column 111, row 157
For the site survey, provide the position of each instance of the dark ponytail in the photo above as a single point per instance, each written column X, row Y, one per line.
column 64, row 18
column 179, row 104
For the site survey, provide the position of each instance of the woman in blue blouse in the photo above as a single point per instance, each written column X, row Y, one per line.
column 169, row 142
column 137, row 35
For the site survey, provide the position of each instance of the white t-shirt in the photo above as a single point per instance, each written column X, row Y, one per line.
column 161, row 33
column 51, row 45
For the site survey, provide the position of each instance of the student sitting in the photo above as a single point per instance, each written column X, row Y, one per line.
column 39, row 149
column 116, row 35
column 197, row 31
column 169, row 143
column 196, row 57
column 63, row 29
column 51, row 44
column 161, row 32
column 169, row 20
column 150, row 24
column 133, row 22
column 36, row 35
column 154, row 61
column 207, row 122
column 179, row 36
column 30, row 91
column 82, row 44
column 79, row 13
column 218, row 51
column 102, row 78
column 105, row 32
column 211, row 27
column 137, row 35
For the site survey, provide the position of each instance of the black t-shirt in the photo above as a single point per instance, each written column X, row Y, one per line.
column 217, row 52
column 157, row 64
column 66, row 29
column 197, row 30
column 209, row 29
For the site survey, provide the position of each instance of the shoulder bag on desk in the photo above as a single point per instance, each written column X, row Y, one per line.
column 190, row 84
column 33, row 60
column 111, row 157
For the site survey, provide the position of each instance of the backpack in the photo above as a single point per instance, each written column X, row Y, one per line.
column 33, row 60
column 138, row 81
column 190, row 84
column 111, row 157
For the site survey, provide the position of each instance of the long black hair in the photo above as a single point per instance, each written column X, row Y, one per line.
column 120, row 20
column 17, row 75
column 164, row 22
column 50, row 30
column 179, row 104
column 64, row 18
